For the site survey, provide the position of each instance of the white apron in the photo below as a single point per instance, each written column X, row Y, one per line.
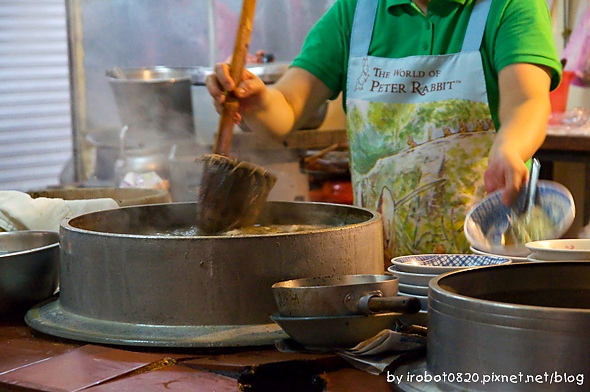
column 419, row 131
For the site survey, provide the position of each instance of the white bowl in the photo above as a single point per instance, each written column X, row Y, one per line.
column 487, row 221
column 411, row 278
column 562, row 249
column 442, row 263
column 413, row 289
column 533, row 260
column 515, row 259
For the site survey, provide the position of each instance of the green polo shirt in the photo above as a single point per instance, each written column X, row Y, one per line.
column 517, row 31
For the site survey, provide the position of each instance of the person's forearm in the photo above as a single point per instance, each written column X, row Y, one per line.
column 274, row 116
column 286, row 105
column 523, row 127
column 524, row 109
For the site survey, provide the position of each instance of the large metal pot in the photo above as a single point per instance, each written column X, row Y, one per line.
column 124, row 281
column 155, row 102
column 525, row 323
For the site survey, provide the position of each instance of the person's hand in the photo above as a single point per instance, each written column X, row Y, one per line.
column 249, row 92
column 506, row 170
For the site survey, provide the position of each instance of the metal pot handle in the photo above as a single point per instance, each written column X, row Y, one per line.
column 372, row 303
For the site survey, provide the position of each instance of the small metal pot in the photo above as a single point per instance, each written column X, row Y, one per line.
column 341, row 296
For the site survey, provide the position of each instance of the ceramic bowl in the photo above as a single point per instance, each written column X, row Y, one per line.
column 487, row 221
column 561, row 249
column 413, row 289
column 334, row 331
column 442, row 263
column 29, row 269
column 514, row 259
column 411, row 278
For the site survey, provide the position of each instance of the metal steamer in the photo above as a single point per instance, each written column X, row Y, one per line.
column 526, row 320
column 126, row 280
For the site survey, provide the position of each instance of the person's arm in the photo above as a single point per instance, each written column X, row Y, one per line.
column 523, row 112
column 277, row 109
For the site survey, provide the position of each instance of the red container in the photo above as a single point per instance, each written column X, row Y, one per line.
column 558, row 97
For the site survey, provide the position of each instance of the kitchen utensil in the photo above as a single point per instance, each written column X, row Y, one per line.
column 321, row 333
column 520, row 221
column 341, row 296
column 487, row 221
column 232, row 192
column 525, row 316
column 442, row 263
column 29, row 269
column 141, row 276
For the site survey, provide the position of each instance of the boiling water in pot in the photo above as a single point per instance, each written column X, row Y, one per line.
column 248, row 230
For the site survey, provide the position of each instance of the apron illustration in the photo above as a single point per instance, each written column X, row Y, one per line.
column 419, row 130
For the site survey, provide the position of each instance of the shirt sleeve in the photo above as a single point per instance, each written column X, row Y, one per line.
column 326, row 47
column 524, row 34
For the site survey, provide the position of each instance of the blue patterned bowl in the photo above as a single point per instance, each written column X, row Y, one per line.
column 442, row 263
column 489, row 219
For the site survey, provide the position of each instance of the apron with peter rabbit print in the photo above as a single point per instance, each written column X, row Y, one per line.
column 419, row 131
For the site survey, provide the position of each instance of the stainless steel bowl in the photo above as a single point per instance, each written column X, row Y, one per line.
column 29, row 269
column 154, row 101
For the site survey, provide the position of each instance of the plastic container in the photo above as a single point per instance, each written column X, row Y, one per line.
column 559, row 96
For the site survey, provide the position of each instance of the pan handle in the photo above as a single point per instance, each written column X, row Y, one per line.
column 374, row 303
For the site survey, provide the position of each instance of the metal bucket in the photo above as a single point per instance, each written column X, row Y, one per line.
column 526, row 323
column 124, row 281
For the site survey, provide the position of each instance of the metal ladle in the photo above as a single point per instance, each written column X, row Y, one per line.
column 508, row 238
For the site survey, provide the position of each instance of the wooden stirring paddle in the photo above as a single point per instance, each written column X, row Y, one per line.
column 232, row 192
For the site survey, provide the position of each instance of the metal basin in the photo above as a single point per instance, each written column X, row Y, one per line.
column 120, row 271
column 29, row 269
column 528, row 320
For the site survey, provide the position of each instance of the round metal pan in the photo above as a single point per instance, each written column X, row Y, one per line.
column 341, row 296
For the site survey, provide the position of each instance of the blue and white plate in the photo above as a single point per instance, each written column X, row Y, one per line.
column 442, row 263
column 488, row 220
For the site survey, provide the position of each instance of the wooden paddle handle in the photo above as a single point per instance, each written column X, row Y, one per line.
column 238, row 60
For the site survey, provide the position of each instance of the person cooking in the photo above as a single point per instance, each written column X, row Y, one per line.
column 445, row 100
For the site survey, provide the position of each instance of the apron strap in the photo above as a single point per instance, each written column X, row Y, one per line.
column 476, row 26
column 362, row 27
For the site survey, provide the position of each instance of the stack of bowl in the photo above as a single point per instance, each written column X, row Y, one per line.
column 559, row 250
column 416, row 271
column 488, row 221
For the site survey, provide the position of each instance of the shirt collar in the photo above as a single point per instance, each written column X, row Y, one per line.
column 391, row 3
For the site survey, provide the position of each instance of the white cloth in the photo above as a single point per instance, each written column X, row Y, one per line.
column 19, row 211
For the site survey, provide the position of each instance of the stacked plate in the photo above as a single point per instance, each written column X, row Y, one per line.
column 415, row 272
column 515, row 259
column 559, row 250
